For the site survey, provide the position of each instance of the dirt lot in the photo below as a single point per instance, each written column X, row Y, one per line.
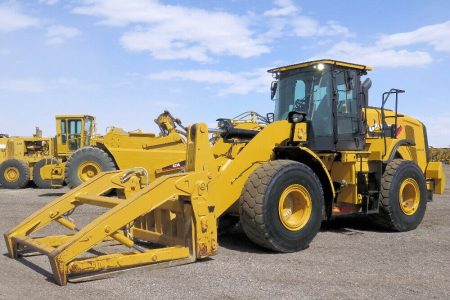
column 348, row 259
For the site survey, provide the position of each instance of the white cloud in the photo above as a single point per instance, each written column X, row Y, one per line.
column 284, row 8
column 182, row 32
column 177, row 32
column 304, row 26
column 49, row 2
column 290, row 22
column 59, row 34
column 394, row 50
column 11, row 19
column 437, row 36
column 376, row 56
column 240, row 83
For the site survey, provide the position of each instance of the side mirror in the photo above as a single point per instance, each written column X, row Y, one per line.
column 270, row 117
column 273, row 89
column 296, row 116
column 224, row 123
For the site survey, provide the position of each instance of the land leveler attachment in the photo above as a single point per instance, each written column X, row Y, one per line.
column 168, row 220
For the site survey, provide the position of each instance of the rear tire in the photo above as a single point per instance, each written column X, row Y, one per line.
column 403, row 196
column 281, row 206
column 14, row 174
column 45, row 183
column 86, row 163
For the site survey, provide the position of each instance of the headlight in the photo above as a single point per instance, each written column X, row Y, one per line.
column 296, row 117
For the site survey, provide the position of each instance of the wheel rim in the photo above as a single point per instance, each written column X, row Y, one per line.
column 409, row 196
column 87, row 170
column 295, row 206
column 11, row 174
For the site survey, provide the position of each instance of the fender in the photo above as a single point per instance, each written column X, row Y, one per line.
column 309, row 158
column 400, row 143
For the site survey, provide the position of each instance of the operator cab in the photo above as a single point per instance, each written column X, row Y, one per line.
column 329, row 93
column 73, row 132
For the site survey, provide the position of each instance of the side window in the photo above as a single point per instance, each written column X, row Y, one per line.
column 291, row 97
column 74, row 134
column 300, row 103
column 63, row 132
column 87, row 131
column 347, row 106
column 321, row 111
column 300, row 90
column 88, row 124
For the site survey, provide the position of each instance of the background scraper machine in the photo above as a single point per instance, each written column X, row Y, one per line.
column 326, row 153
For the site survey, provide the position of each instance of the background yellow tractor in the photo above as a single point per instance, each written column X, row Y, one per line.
column 3, row 140
column 30, row 158
column 118, row 149
column 327, row 153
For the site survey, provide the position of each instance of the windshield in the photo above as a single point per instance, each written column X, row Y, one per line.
column 309, row 91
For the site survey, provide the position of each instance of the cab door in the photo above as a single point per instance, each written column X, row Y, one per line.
column 347, row 111
column 320, row 115
column 75, row 134
column 88, row 130
column 61, row 136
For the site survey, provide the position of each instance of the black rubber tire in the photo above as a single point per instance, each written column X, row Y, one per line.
column 259, row 206
column 24, row 174
column 391, row 215
column 43, row 183
column 82, row 155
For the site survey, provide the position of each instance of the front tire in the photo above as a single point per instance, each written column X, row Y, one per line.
column 281, row 206
column 86, row 163
column 403, row 196
column 14, row 174
column 41, row 182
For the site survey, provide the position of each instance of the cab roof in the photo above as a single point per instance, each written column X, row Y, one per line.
column 73, row 116
column 320, row 61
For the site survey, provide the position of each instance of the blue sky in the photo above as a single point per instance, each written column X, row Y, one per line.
column 126, row 61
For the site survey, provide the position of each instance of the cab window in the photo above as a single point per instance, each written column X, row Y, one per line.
column 63, row 132
column 75, row 128
column 347, row 109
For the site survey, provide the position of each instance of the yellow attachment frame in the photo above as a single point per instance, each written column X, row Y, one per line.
column 168, row 222
column 170, row 212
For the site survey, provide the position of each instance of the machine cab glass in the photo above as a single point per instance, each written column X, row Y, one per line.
column 328, row 95
column 73, row 132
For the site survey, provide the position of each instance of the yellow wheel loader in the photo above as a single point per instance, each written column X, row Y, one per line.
column 121, row 150
column 327, row 153
column 32, row 158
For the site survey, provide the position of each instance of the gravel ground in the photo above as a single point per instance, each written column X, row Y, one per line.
column 347, row 259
